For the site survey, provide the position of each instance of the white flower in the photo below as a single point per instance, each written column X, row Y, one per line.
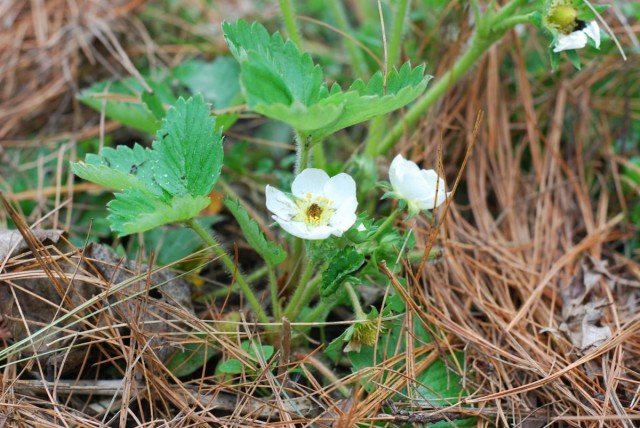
column 319, row 207
column 421, row 188
column 578, row 39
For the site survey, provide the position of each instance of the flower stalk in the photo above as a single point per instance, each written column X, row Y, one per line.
column 231, row 268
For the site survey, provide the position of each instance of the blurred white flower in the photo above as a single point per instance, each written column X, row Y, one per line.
column 578, row 39
column 421, row 188
column 320, row 206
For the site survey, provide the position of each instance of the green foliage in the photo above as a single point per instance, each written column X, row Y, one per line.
column 191, row 357
column 438, row 385
column 218, row 81
column 272, row 253
column 346, row 261
column 168, row 183
column 120, row 101
column 283, row 83
column 256, row 353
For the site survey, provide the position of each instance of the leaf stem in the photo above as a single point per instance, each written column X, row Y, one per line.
column 289, row 18
column 386, row 223
column 231, row 268
column 303, row 145
column 355, row 302
column 273, row 287
column 483, row 38
column 293, row 307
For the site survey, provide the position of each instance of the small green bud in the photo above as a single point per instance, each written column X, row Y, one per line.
column 563, row 18
column 364, row 333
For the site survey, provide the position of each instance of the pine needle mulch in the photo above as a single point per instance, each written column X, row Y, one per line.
column 536, row 283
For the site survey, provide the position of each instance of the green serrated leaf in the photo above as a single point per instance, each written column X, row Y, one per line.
column 304, row 118
column 272, row 253
column 283, row 83
column 189, row 149
column 135, row 210
column 347, row 261
column 363, row 102
column 120, row 168
column 291, row 74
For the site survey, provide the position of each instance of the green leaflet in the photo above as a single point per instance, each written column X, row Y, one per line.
column 134, row 211
column 166, row 184
column 345, row 262
column 189, row 151
column 364, row 101
column 282, row 83
column 272, row 253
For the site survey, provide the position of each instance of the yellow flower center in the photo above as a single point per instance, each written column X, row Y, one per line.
column 314, row 210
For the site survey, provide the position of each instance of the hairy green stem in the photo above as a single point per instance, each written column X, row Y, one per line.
column 355, row 302
column 273, row 287
column 292, row 308
column 303, row 146
column 231, row 267
column 289, row 18
column 358, row 63
column 490, row 29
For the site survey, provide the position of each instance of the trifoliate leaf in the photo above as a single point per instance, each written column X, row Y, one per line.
column 272, row 253
column 278, row 80
column 282, row 83
column 347, row 261
column 169, row 183
column 135, row 210
column 189, row 150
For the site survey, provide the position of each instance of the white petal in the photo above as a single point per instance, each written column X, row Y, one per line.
column 399, row 168
column 345, row 216
column 361, row 227
column 437, row 188
column 432, row 202
column 311, row 180
column 279, row 203
column 412, row 186
column 340, row 188
column 301, row 230
column 575, row 40
column 592, row 30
